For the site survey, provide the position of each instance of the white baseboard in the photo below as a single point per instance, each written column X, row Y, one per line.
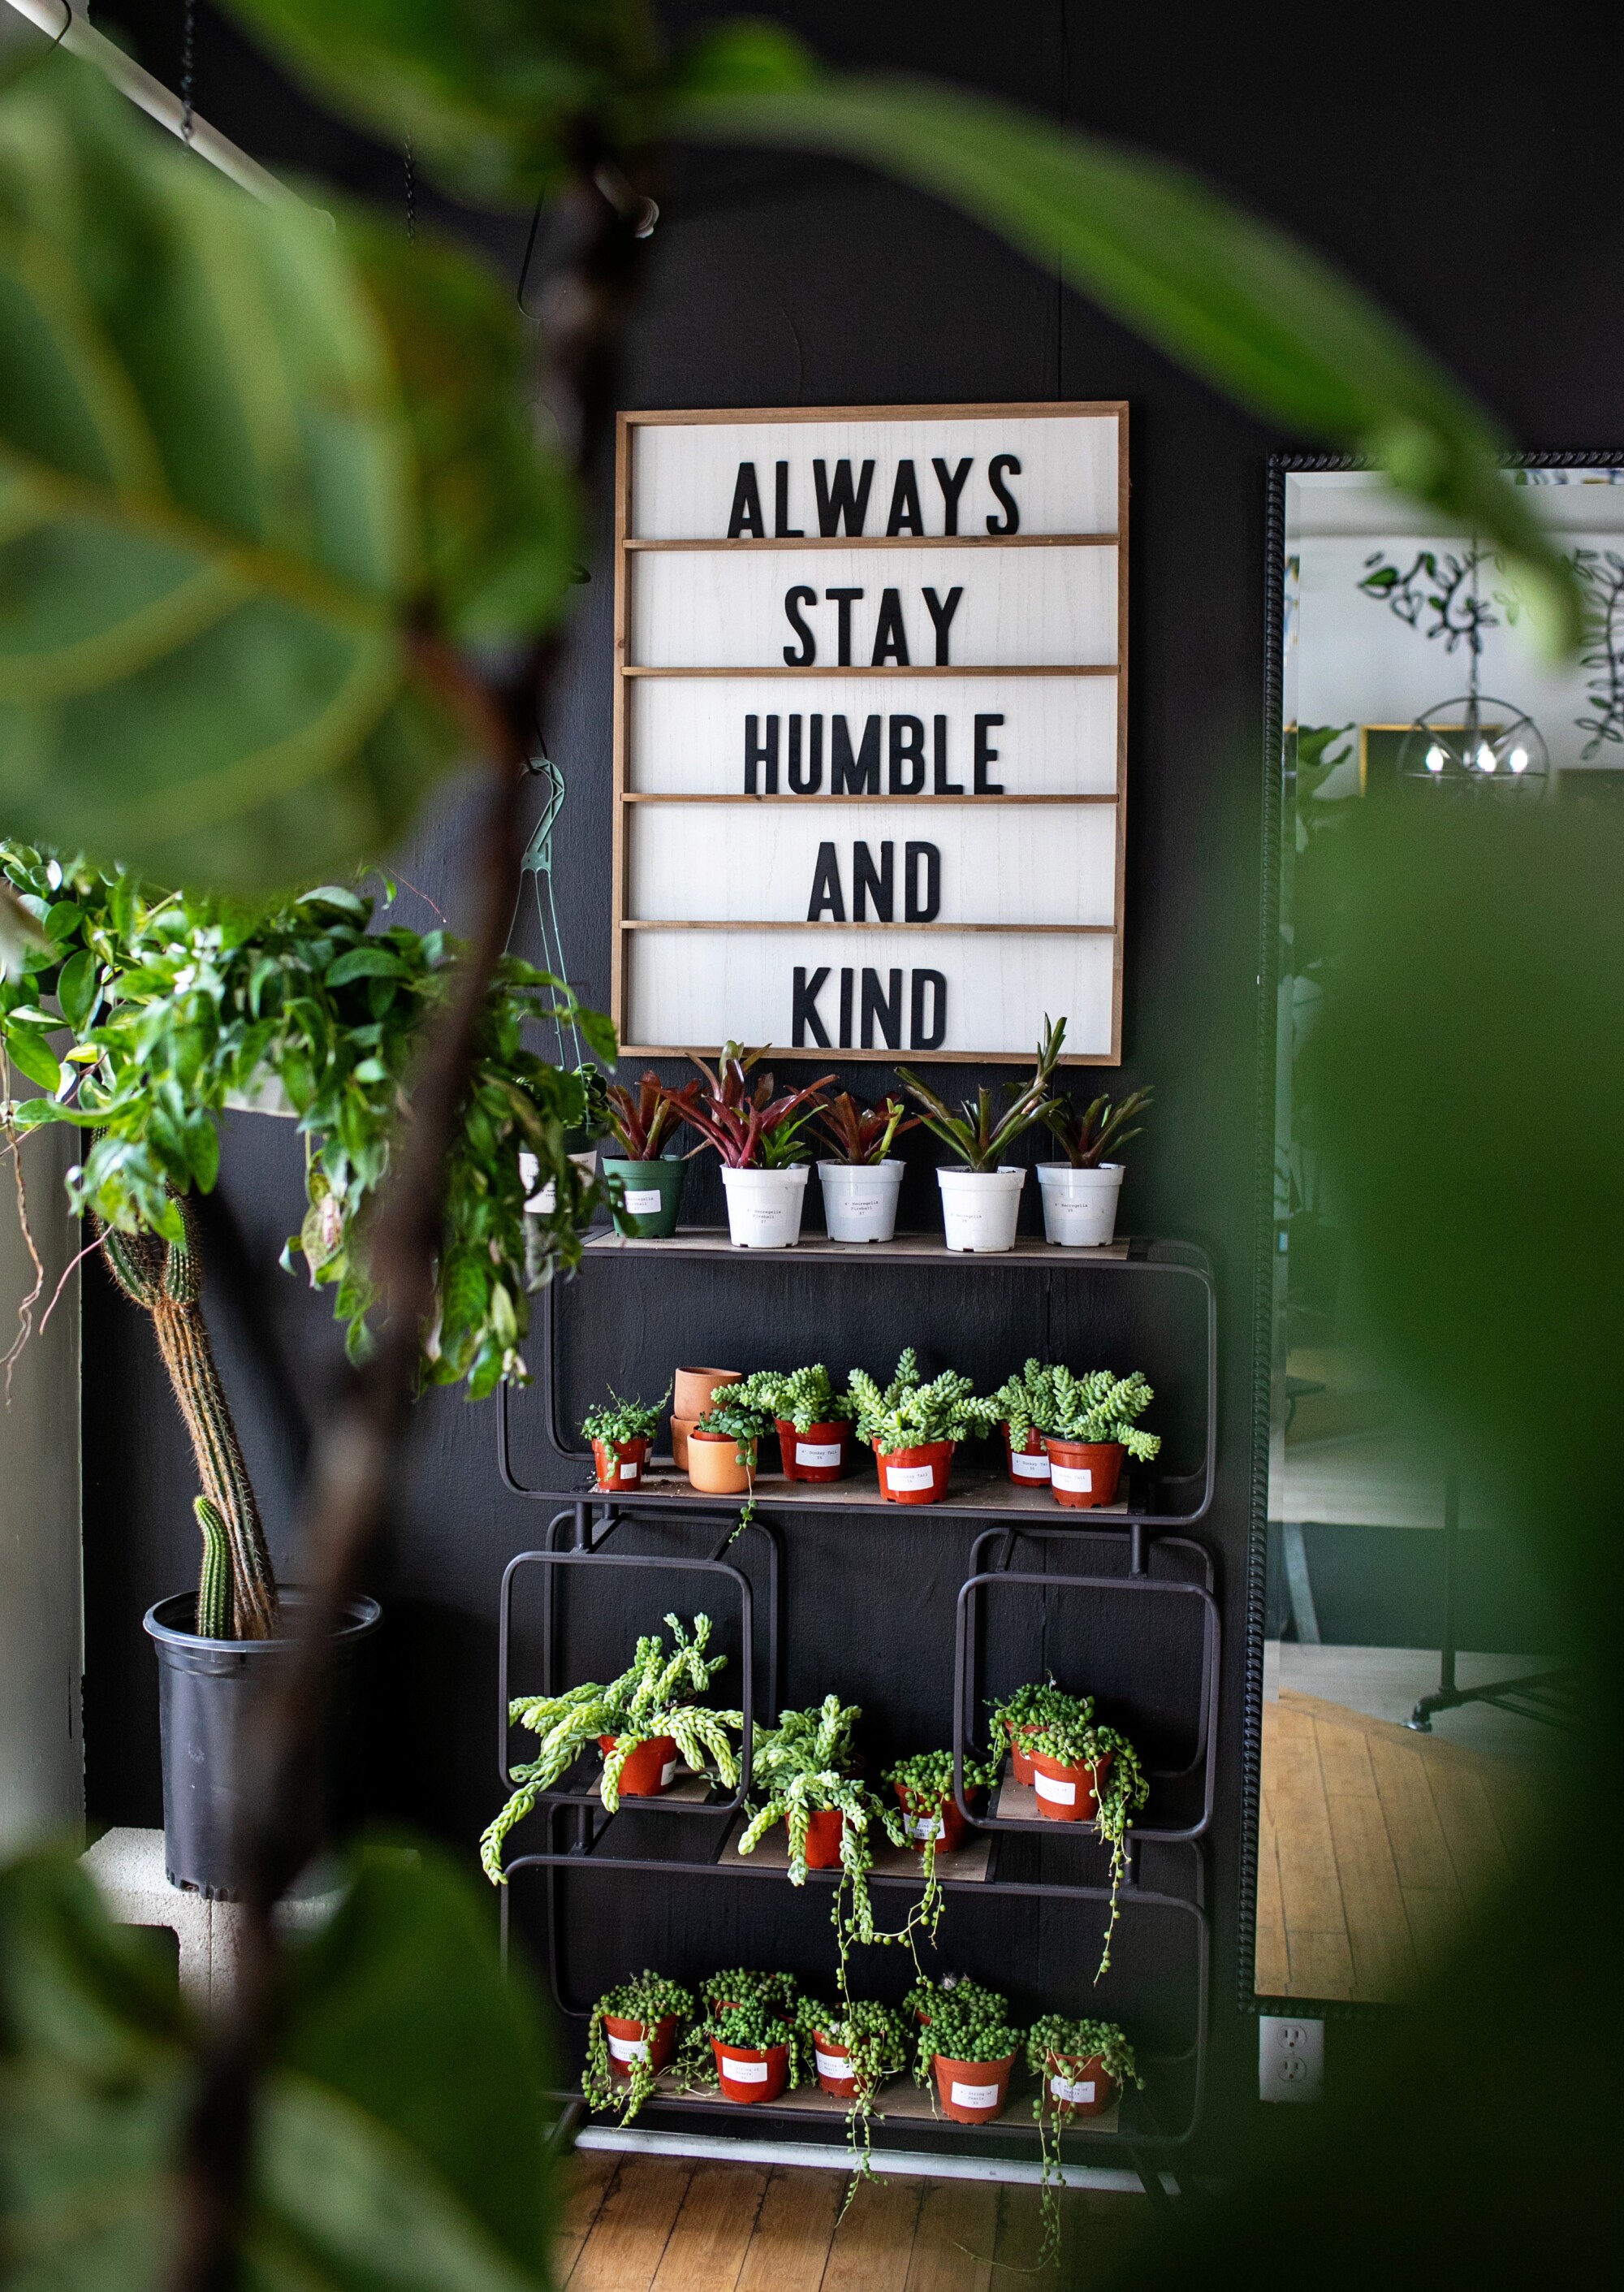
column 824, row 2156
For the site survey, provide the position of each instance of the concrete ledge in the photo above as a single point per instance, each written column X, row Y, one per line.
column 126, row 1867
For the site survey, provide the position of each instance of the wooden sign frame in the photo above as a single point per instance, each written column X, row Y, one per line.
column 627, row 546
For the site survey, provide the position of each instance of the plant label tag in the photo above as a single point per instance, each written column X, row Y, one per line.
column 974, row 2097
column 909, row 1476
column 924, row 1826
column 628, row 2049
column 1051, row 1787
column 739, row 2072
column 832, row 2065
column 1076, row 1478
column 1029, row 1468
column 630, row 1471
column 644, row 1201
column 1062, row 2089
column 817, row 1452
column 668, row 1774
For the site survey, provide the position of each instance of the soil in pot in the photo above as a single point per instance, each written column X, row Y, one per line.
column 653, row 1197
column 713, row 1464
column 649, row 1770
column 692, row 1388
column 1067, row 1794
column 972, row 2092
column 621, row 1466
column 630, row 2041
column 825, row 1831
column 1028, row 1466
column 1083, row 1473
column 1084, row 2087
column 823, row 1452
column 943, row 1823
column 748, row 2074
column 833, row 2063
column 916, row 1475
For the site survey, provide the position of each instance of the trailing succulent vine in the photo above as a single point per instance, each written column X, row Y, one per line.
column 803, row 1767
column 616, row 1421
column 1073, row 1740
column 874, row 2040
column 1031, row 1707
column 648, row 1998
column 928, row 1779
column 910, row 1414
column 1053, row 2040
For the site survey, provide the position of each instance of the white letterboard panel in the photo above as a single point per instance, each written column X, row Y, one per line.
column 870, row 730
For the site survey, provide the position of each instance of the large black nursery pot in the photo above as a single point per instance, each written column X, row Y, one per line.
column 209, row 1693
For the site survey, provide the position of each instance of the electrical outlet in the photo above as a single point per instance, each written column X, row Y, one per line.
column 1291, row 2058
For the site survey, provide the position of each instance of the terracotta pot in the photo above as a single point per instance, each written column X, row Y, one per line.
column 823, row 1452
column 1028, row 1466
column 746, row 2074
column 649, row 1770
column 954, row 1829
column 1067, row 1794
column 691, row 1389
column 1083, row 1473
column 1082, row 2088
column 630, row 2042
column 831, row 2062
column 714, row 1467
column 916, row 1475
column 972, row 2092
column 680, row 1428
column 1020, row 1759
column 825, row 1831
column 620, row 1466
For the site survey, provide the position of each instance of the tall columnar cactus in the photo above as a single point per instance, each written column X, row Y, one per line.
column 236, row 1594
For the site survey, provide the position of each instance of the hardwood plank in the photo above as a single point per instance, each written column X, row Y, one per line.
column 627, row 2240
column 1096, row 2230
column 1271, row 1962
column 1311, row 1891
column 1420, row 1853
column 1321, row 1964
column 954, row 2238
column 1438, row 1917
column 1469, row 1828
column 1373, row 1908
column 789, row 2246
column 874, row 2244
column 580, row 2185
column 1344, row 1760
column 1292, row 1756
column 713, row 2231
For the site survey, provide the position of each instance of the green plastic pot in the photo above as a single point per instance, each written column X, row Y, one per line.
column 643, row 1219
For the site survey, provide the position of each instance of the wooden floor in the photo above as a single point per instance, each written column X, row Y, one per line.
column 1375, row 1844
column 664, row 2224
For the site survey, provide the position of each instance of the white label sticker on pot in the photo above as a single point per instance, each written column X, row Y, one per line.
column 974, row 2097
column 1077, row 1478
column 861, row 1204
column 1077, row 2095
column 644, row 1201
column 1050, row 1787
column 631, row 1471
column 1029, row 1468
column 924, row 1826
column 817, row 1452
column 744, row 2072
column 909, row 1476
column 668, row 1774
column 629, row 2049
column 832, row 2065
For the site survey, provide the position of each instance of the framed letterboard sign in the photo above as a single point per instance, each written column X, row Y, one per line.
column 869, row 730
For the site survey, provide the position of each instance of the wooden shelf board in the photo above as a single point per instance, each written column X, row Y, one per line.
column 898, row 2102
column 972, row 1489
column 970, row 1865
column 907, row 1248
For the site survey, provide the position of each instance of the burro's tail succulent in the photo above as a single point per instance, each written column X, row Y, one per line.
column 237, row 1592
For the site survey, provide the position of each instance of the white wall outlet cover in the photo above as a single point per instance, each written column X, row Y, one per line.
column 1291, row 2058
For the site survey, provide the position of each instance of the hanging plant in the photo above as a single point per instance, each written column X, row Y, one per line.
column 1070, row 2059
column 970, row 2047
column 1016, row 1718
column 759, row 2050
column 856, row 2049
column 931, row 1820
column 1073, row 1750
column 631, row 2034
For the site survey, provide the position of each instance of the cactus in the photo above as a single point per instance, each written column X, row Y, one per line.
column 214, row 1618
column 166, row 1280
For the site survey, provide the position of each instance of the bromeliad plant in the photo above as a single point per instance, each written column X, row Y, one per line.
column 751, row 1129
column 1070, row 2042
column 804, row 1767
column 647, row 1997
column 861, row 1135
column 800, row 1397
column 979, row 1135
column 1097, row 1404
column 1099, row 1132
column 639, row 1706
column 641, row 1125
column 1119, row 1793
column 910, row 1414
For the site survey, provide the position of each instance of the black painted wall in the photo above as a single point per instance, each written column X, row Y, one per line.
column 776, row 281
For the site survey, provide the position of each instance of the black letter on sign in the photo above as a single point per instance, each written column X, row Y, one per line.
column 985, row 755
column 890, row 638
column 804, row 1009
column 865, row 880
column 757, row 753
column 943, row 785
column 807, row 783
column 886, row 1008
column 846, row 979
column 782, row 528
column 839, row 502
column 919, row 1039
column 843, row 599
column 827, row 893
column 921, row 901
column 907, row 515
column 850, row 775
column 794, row 598
column 942, row 615
column 1011, row 522
column 908, row 756
column 951, row 482
column 746, row 518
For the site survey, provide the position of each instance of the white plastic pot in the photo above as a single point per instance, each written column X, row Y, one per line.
column 860, row 1200
column 1079, row 1206
column 980, row 1208
column 530, row 1170
column 764, row 1206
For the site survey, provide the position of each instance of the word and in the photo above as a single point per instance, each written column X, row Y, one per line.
column 855, row 770
column 876, row 886
column 842, row 502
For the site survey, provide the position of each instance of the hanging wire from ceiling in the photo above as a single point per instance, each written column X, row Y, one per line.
column 411, row 192
column 189, row 46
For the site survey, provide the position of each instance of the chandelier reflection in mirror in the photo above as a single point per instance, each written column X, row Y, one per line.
column 1471, row 744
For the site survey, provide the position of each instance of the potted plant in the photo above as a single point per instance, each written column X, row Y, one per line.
column 972, row 2049
column 913, row 1428
column 861, row 1181
column 744, row 1985
column 722, row 1446
column 928, row 1996
column 630, row 2036
column 855, row 2048
column 1080, row 1194
column 1086, row 1773
column 1080, row 2066
column 622, row 1434
column 639, row 1722
column 646, row 1183
column 981, row 1201
column 1087, row 1428
column 1017, row 1717
column 759, row 2051
column 1019, row 1403
column 924, row 1787
column 692, row 1393
column 814, row 1421
column 758, row 1136
column 804, row 1768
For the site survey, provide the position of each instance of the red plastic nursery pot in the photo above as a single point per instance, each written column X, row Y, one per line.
column 1084, row 2087
column 620, row 1467
column 1083, row 1473
column 1067, row 1794
column 630, row 2041
column 649, row 1770
column 1020, row 1757
column 916, row 1475
column 746, row 2073
column 972, row 2092
column 953, row 1829
column 823, row 1452
column 1028, row 1466
column 825, row 1831
column 833, row 2063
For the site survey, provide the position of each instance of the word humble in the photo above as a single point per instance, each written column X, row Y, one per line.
column 855, row 770
column 877, row 1009
column 842, row 505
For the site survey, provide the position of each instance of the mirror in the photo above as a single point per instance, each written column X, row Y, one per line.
column 1409, row 1682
